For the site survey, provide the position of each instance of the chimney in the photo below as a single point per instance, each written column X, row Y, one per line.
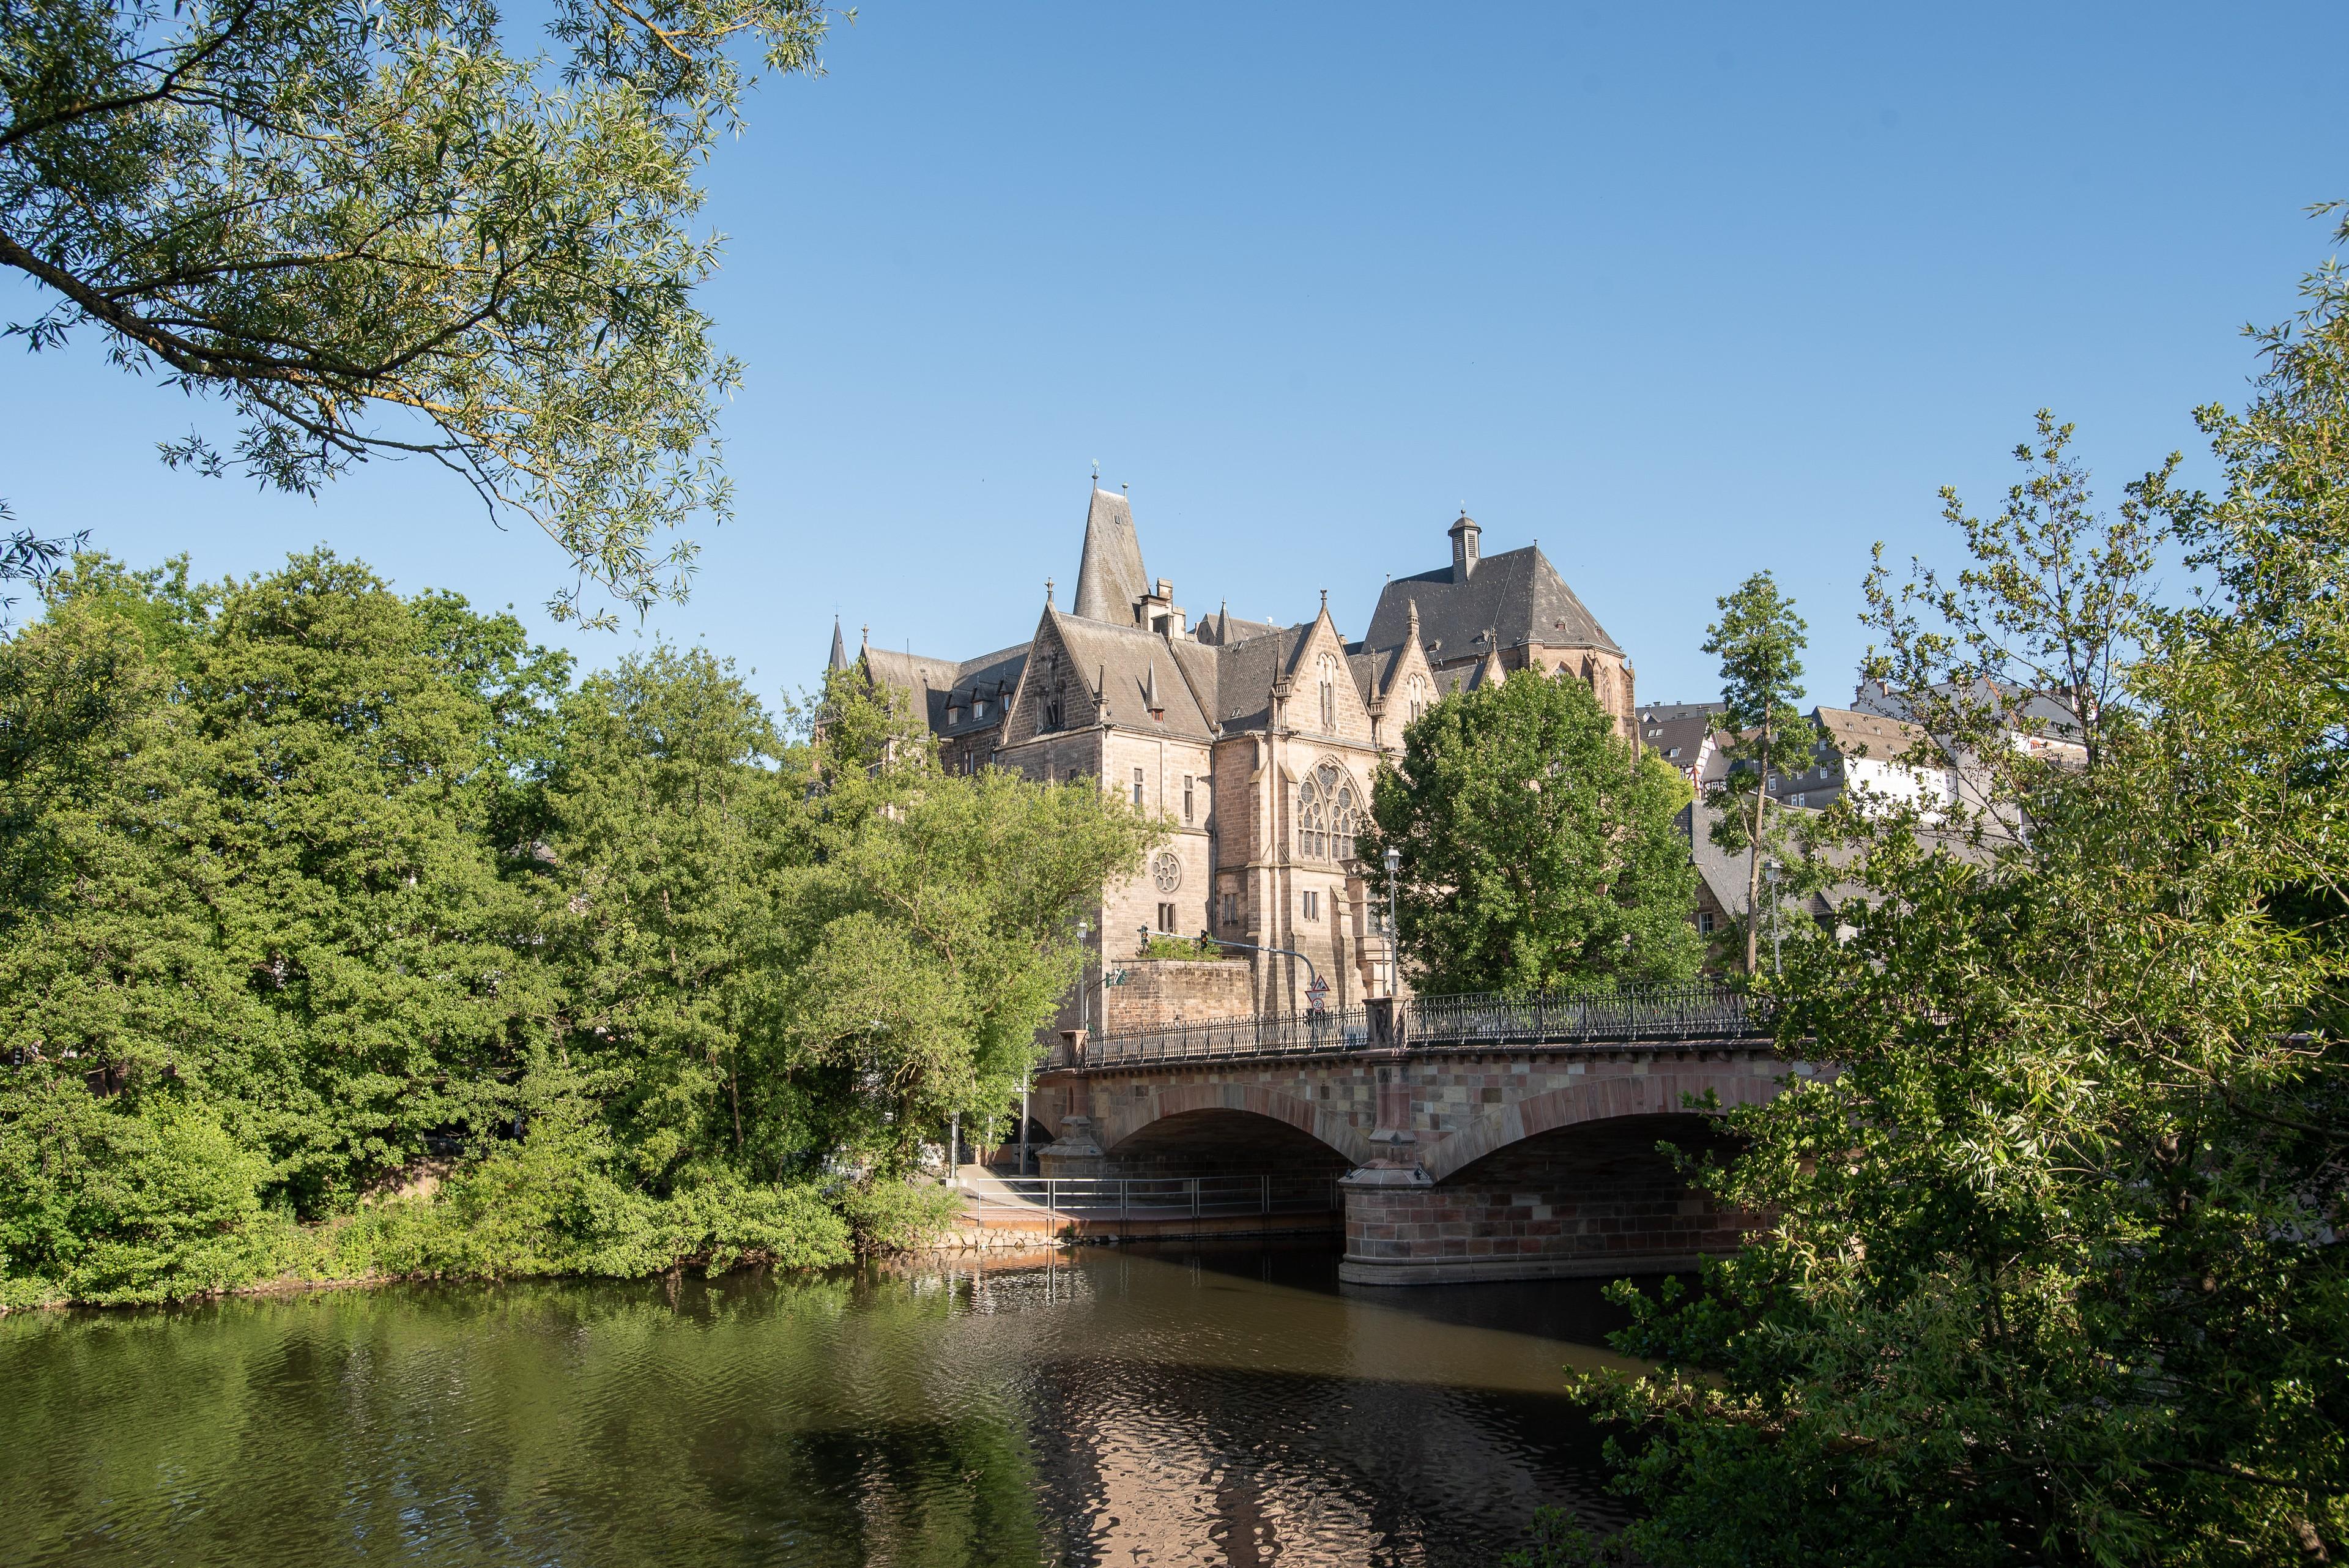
column 1464, row 547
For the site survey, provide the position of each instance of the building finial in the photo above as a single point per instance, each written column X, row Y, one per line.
column 864, row 637
column 1325, row 601
column 1096, row 474
column 1413, row 606
column 1047, row 592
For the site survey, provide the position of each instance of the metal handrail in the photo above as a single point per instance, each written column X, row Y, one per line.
column 1154, row 1197
column 1623, row 1014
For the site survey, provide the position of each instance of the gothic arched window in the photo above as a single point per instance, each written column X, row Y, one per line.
column 1328, row 814
column 1312, row 818
column 1417, row 688
column 1328, row 666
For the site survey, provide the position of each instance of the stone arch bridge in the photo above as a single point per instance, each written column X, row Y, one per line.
column 1470, row 1138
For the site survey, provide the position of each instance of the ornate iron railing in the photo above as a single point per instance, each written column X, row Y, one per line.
column 1629, row 1014
column 1695, row 1010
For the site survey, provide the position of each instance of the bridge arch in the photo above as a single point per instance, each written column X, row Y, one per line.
column 1592, row 1100
column 1327, row 1128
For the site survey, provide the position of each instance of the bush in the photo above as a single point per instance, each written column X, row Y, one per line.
column 901, row 1216
column 551, row 1205
column 112, row 1202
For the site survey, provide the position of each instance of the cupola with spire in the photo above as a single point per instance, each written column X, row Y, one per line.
column 1464, row 547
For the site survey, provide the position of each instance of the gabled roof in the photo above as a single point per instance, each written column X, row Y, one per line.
column 1679, row 739
column 1110, row 578
column 1127, row 664
column 934, row 683
column 1223, row 628
column 1245, row 673
column 1878, row 737
column 1518, row 596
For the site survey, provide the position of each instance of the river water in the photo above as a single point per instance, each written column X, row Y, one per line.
column 1110, row 1406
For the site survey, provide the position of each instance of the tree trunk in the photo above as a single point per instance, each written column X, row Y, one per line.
column 1753, row 861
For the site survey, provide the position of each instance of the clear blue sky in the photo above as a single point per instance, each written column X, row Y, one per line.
column 1681, row 292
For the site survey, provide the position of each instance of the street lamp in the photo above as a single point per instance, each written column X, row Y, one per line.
column 1395, row 933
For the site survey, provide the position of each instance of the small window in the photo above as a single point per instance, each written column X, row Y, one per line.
column 1186, row 797
column 1312, row 905
column 1137, row 789
column 1231, row 908
column 1704, row 922
column 1165, row 916
column 979, row 707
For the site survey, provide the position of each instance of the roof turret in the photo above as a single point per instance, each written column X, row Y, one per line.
column 1110, row 578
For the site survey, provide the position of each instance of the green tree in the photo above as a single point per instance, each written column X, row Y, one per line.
column 328, row 211
column 1538, row 848
column 1759, row 639
column 2053, row 1270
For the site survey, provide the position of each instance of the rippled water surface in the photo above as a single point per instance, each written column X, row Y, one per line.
column 1111, row 1406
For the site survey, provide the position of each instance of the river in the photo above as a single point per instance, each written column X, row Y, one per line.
column 1110, row 1406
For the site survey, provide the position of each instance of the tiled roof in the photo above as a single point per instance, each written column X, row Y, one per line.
column 1128, row 663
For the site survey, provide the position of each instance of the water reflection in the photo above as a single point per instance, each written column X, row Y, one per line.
column 1115, row 1407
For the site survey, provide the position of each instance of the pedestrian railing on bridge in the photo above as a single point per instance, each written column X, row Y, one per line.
column 1150, row 1198
column 1629, row 1014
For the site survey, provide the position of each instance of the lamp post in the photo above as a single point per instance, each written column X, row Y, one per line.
column 1395, row 933
column 1770, row 870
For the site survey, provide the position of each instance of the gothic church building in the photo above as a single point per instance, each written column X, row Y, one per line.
column 1255, row 743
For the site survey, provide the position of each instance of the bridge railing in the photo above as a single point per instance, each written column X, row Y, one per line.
column 1153, row 1198
column 1257, row 1034
column 1696, row 1010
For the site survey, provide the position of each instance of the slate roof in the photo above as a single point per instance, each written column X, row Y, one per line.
column 1244, row 672
column 2052, row 712
column 1110, row 578
column 1223, row 628
column 1679, row 739
column 933, row 682
column 1516, row 594
column 839, row 659
column 1127, row 662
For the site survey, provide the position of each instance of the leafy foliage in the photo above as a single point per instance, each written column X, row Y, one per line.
column 320, row 883
column 326, row 210
column 1760, row 641
column 2056, row 1271
column 1538, row 848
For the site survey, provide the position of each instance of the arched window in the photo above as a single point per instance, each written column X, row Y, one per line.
column 1328, row 666
column 1312, row 818
column 1416, row 687
column 1328, row 814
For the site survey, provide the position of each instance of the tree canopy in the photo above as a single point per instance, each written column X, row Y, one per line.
column 313, row 880
column 1538, row 848
column 2052, row 1270
column 373, row 228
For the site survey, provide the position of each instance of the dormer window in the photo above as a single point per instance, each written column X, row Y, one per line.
column 979, row 707
column 954, row 713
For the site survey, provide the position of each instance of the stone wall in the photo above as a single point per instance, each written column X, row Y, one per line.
column 1158, row 991
column 1597, row 1198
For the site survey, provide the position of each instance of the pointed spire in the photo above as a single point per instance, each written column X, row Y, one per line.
column 1110, row 578
column 1413, row 605
column 1150, row 692
column 839, row 648
column 1100, row 694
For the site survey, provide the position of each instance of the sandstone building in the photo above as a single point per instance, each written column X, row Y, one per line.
column 1256, row 742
